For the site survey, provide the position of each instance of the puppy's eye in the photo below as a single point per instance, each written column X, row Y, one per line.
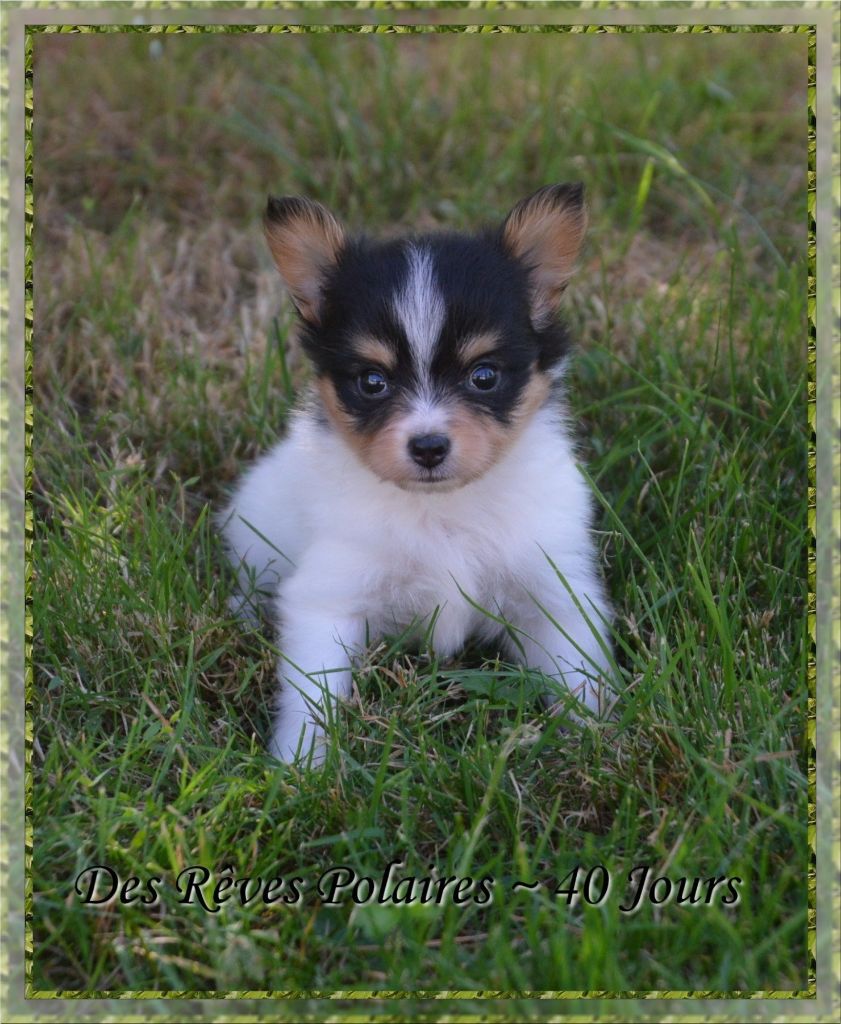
column 373, row 384
column 484, row 377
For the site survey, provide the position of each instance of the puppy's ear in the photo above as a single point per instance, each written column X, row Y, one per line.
column 545, row 231
column 305, row 240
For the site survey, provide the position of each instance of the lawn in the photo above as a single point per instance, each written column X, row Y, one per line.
column 163, row 364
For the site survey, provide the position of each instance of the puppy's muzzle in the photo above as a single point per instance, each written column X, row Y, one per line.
column 429, row 450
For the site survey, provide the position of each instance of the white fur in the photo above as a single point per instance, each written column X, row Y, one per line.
column 363, row 556
column 420, row 309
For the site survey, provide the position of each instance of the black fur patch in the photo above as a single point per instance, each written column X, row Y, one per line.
column 486, row 291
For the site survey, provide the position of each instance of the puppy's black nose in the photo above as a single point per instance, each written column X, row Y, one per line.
column 429, row 450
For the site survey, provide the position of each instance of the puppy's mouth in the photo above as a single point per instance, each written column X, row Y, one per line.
column 432, row 476
column 430, row 480
column 438, row 483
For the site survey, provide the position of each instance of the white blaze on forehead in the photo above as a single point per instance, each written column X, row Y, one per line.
column 419, row 307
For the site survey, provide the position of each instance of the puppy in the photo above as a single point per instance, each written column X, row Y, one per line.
column 428, row 482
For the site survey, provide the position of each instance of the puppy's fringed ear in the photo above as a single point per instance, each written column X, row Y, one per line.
column 305, row 240
column 545, row 231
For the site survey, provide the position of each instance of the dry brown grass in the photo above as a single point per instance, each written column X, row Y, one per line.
column 207, row 291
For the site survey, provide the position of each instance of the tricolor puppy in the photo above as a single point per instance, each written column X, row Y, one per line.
column 429, row 474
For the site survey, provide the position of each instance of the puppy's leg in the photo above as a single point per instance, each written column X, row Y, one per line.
column 556, row 637
column 263, row 530
column 315, row 670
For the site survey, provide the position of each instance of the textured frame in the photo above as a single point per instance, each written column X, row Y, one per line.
column 824, row 408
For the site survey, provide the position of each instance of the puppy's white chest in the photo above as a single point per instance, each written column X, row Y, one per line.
column 433, row 582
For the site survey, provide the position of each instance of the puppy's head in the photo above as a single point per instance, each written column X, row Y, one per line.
column 431, row 353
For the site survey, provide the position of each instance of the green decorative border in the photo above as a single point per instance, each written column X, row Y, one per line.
column 811, row 670
column 380, row 15
column 391, row 29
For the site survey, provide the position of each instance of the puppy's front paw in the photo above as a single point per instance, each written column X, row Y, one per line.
column 298, row 738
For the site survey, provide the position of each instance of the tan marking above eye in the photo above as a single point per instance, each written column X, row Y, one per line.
column 376, row 351
column 477, row 346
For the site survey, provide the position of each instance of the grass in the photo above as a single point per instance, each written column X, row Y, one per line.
column 163, row 364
